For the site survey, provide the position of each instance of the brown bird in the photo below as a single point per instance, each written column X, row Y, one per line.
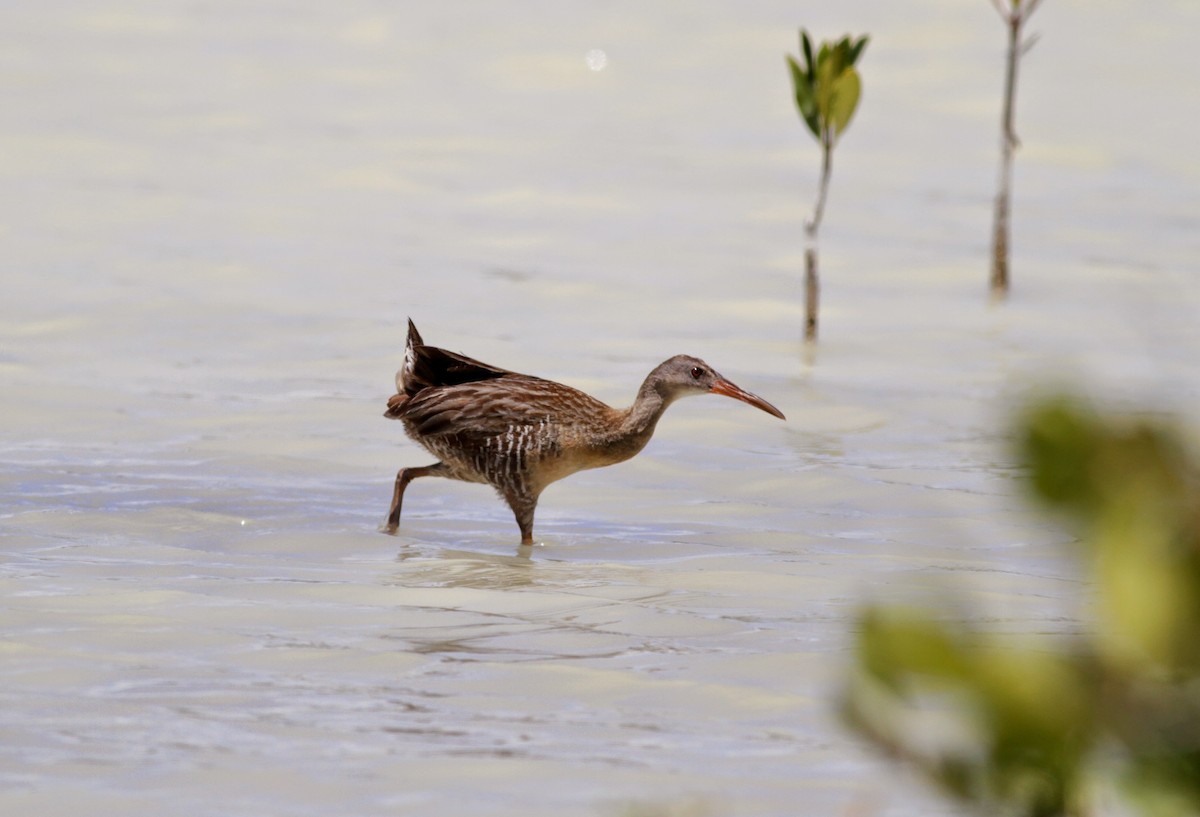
column 519, row 433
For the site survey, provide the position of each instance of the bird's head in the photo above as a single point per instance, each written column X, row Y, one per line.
column 684, row 375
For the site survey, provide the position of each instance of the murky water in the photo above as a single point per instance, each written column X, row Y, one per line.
column 218, row 217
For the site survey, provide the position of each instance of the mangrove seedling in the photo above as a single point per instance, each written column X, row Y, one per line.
column 1014, row 13
column 827, row 89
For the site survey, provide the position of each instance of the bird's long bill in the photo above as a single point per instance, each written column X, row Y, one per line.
column 728, row 389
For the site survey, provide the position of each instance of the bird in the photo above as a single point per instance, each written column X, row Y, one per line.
column 520, row 433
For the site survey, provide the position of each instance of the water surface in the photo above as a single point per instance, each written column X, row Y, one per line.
column 218, row 218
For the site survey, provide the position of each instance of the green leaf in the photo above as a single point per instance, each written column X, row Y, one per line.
column 802, row 87
column 806, row 48
column 806, row 102
column 843, row 100
column 1059, row 439
column 823, row 83
column 896, row 644
column 841, row 55
column 857, row 48
column 823, row 56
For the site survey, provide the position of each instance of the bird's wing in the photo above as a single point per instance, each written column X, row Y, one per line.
column 485, row 408
column 395, row 406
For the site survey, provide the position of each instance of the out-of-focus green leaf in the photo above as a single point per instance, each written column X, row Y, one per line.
column 837, row 55
column 856, row 49
column 1031, row 691
column 806, row 49
column 1057, row 443
column 806, row 102
column 1148, row 594
column 1166, row 785
column 896, row 642
column 844, row 100
column 824, row 86
column 1138, row 598
column 823, row 54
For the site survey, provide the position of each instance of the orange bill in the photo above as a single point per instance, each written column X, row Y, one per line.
column 723, row 386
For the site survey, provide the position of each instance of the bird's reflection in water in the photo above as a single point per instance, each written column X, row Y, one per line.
column 452, row 567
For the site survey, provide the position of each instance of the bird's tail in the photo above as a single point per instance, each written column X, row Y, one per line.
column 430, row 367
column 414, row 337
column 407, row 379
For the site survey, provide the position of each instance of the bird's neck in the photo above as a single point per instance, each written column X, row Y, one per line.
column 634, row 426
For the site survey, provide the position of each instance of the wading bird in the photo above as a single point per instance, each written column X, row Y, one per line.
column 519, row 433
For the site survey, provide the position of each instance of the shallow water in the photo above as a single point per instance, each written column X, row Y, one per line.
column 219, row 217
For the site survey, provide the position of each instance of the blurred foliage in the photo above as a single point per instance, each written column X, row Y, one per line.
column 1035, row 726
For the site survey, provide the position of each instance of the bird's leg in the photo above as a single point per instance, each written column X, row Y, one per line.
column 523, row 507
column 403, row 477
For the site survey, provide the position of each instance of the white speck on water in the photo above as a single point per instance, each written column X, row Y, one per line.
column 596, row 59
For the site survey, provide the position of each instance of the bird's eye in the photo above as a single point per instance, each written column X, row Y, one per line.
column 696, row 372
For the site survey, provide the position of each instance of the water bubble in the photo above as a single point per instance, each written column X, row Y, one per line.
column 596, row 59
